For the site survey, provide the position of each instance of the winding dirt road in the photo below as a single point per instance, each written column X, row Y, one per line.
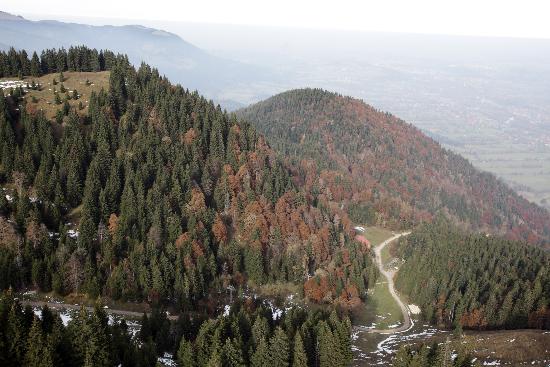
column 389, row 274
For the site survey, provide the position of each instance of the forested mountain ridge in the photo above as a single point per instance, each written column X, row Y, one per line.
column 382, row 170
column 173, row 198
column 474, row 281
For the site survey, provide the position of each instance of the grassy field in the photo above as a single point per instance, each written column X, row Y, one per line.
column 510, row 347
column 377, row 235
column 387, row 313
column 380, row 308
column 44, row 99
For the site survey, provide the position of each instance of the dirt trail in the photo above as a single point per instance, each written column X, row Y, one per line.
column 389, row 276
column 66, row 306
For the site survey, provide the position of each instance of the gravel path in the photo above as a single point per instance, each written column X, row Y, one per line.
column 389, row 276
column 66, row 306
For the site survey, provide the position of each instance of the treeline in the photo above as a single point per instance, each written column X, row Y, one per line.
column 302, row 338
column 248, row 336
column 475, row 281
column 15, row 63
column 157, row 194
column 456, row 353
column 384, row 171
column 88, row 339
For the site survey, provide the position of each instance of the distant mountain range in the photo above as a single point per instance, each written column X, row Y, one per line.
column 179, row 60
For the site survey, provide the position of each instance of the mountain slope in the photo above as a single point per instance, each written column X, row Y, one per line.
column 174, row 57
column 473, row 281
column 153, row 193
column 382, row 170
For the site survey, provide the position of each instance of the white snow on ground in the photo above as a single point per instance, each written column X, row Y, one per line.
column 7, row 84
column 394, row 326
column 65, row 315
column 73, row 233
column 167, row 360
column 492, row 363
column 277, row 313
column 226, row 310
column 359, row 228
column 9, row 198
column 391, row 343
column 415, row 310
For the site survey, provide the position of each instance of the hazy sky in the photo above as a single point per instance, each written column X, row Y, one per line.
column 516, row 18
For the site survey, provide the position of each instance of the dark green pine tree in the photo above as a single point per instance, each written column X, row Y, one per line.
column 74, row 185
column 327, row 351
column 254, row 265
column 299, row 357
column 38, row 352
column 98, row 345
column 402, row 357
column 117, row 90
column 35, row 65
column 341, row 334
column 279, row 349
column 260, row 354
column 7, row 141
column 185, row 354
column 232, row 354
column 16, row 335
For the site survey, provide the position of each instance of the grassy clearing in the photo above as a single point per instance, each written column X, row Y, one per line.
column 377, row 235
column 511, row 347
column 387, row 311
column 279, row 289
column 44, row 99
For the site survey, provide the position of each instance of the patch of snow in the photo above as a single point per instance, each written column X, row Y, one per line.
column 415, row 310
column 226, row 310
column 167, row 360
column 73, row 233
column 277, row 314
column 66, row 317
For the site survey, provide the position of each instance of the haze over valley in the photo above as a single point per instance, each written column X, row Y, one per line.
column 486, row 98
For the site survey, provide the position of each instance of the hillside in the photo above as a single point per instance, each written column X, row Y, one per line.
column 474, row 281
column 381, row 170
column 153, row 193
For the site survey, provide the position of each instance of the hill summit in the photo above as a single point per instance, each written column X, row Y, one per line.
column 382, row 170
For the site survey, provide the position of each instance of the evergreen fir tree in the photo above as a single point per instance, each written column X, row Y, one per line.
column 185, row 354
column 299, row 358
column 279, row 354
